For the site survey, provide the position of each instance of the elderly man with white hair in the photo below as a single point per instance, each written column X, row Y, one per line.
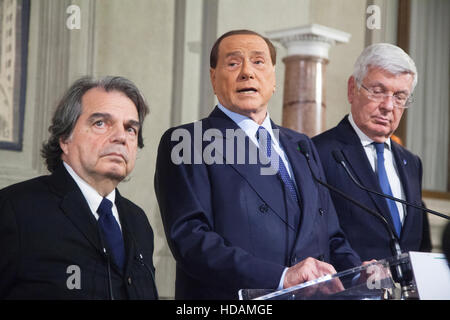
column 379, row 91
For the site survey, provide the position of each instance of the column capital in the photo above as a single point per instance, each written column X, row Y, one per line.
column 310, row 40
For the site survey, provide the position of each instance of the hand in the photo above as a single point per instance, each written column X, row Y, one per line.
column 306, row 270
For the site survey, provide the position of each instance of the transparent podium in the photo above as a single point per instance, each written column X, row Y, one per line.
column 388, row 279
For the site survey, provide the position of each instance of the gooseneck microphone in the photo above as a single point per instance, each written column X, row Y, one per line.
column 394, row 243
column 339, row 158
column 108, row 265
column 446, row 243
column 399, row 271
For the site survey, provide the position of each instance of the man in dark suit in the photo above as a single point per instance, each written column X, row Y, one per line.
column 379, row 91
column 230, row 223
column 71, row 235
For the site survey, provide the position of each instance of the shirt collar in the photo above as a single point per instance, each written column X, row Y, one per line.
column 91, row 195
column 249, row 126
column 365, row 140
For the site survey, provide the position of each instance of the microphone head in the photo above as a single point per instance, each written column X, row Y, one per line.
column 304, row 148
column 337, row 155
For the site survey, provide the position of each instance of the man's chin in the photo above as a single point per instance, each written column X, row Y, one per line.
column 117, row 173
column 115, row 176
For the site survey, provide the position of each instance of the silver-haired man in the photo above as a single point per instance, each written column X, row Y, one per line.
column 379, row 91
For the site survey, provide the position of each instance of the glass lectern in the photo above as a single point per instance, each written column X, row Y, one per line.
column 387, row 279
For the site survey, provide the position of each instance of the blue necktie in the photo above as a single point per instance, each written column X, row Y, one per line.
column 386, row 187
column 264, row 139
column 111, row 232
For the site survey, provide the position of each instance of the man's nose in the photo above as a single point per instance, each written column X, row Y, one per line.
column 246, row 71
column 388, row 103
column 118, row 134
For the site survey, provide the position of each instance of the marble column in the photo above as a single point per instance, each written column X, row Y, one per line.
column 304, row 85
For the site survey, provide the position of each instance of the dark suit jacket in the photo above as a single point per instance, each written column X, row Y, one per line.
column 226, row 224
column 366, row 233
column 46, row 227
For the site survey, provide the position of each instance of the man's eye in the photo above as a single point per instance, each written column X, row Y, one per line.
column 99, row 123
column 377, row 91
column 401, row 97
column 259, row 62
column 132, row 130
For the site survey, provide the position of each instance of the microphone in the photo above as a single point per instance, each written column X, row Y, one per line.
column 108, row 265
column 108, row 269
column 140, row 258
column 339, row 158
column 394, row 243
column 399, row 271
column 446, row 243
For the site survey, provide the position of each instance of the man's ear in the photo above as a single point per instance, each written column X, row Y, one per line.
column 212, row 77
column 63, row 145
column 274, row 81
column 351, row 89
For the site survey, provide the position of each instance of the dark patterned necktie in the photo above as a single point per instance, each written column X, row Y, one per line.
column 111, row 232
column 264, row 139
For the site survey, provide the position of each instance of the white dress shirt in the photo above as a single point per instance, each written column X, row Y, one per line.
column 389, row 164
column 91, row 195
column 250, row 128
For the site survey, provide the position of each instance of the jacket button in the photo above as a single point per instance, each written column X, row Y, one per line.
column 263, row 208
column 321, row 211
column 293, row 260
column 321, row 258
column 129, row 281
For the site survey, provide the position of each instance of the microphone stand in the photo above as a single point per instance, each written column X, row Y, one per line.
column 339, row 158
column 394, row 244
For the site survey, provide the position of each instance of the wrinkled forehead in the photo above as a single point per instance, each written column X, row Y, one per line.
column 243, row 43
column 386, row 77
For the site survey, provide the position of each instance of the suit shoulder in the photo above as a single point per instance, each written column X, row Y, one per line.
column 325, row 137
column 22, row 190
column 130, row 205
column 295, row 134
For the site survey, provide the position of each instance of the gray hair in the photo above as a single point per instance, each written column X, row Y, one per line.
column 69, row 110
column 387, row 57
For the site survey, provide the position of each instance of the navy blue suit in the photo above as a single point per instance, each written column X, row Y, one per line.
column 229, row 227
column 366, row 233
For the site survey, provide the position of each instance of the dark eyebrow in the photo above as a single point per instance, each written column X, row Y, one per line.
column 258, row 53
column 134, row 123
column 238, row 53
column 97, row 115
column 233, row 53
column 379, row 84
column 107, row 116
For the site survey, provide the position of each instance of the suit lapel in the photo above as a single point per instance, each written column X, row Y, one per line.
column 305, row 184
column 268, row 187
column 356, row 157
column 74, row 205
column 127, row 231
column 405, row 171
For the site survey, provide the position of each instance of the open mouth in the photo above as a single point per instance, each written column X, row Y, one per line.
column 247, row 90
